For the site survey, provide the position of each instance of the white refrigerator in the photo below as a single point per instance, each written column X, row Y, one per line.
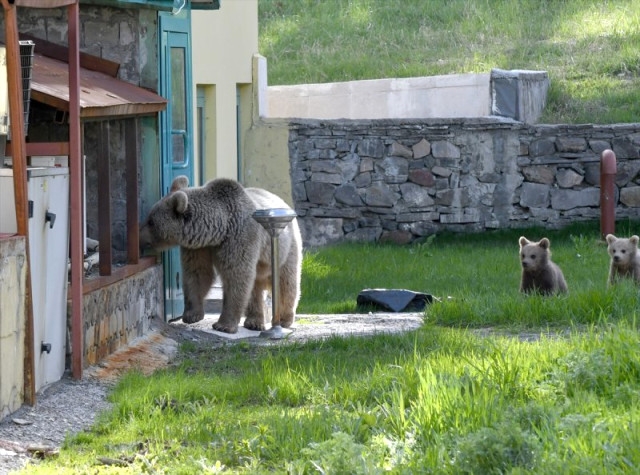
column 48, row 195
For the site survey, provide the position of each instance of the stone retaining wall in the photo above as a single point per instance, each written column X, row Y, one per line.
column 400, row 180
column 117, row 314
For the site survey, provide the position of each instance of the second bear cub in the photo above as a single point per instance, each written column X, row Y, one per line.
column 539, row 273
column 625, row 260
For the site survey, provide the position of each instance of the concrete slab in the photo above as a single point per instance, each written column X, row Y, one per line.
column 308, row 327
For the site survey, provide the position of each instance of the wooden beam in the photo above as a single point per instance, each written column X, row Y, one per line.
column 104, row 200
column 76, row 173
column 44, row 3
column 34, row 149
column 61, row 53
column 118, row 274
column 16, row 116
column 131, row 160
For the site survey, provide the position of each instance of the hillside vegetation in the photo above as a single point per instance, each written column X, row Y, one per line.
column 591, row 49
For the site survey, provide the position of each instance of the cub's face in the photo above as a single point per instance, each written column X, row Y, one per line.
column 622, row 250
column 533, row 255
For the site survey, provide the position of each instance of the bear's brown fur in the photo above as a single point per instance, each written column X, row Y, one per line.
column 539, row 273
column 625, row 260
column 217, row 235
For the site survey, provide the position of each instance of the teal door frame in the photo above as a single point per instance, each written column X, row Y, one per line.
column 176, row 132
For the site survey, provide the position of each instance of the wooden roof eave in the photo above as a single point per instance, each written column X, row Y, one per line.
column 101, row 96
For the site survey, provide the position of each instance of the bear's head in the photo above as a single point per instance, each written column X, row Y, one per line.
column 534, row 255
column 164, row 225
column 622, row 250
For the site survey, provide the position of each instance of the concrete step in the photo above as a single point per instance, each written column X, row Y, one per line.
column 213, row 300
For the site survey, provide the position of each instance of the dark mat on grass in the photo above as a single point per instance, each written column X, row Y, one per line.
column 394, row 300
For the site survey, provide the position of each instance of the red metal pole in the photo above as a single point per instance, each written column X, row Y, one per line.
column 607, row 193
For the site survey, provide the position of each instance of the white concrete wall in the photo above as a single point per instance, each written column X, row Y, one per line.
column 13, row 273
column 449, row 96
column 224, row 42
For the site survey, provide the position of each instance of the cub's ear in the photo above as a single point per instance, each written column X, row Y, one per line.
column 611, row 238
column 179, row 183
column 544, row 243
column 523, row 241
column 634, row 240
column 179, row 201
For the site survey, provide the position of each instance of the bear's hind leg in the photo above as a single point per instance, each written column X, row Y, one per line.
column 289, row 296
column 256, row 308
column 198, row 275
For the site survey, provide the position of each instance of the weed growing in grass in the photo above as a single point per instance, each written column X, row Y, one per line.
column 496, row 450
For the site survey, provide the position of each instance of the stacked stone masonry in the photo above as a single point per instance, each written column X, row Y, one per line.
column 400, row 180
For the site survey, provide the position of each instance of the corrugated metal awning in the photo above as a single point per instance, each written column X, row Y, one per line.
column 101, row 96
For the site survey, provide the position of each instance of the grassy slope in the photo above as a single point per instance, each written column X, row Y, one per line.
column 590, row 48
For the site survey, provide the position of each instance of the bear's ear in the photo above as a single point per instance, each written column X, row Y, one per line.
column 523, row 241
column 634, row 240
column 611, row 238
column 179, row 183
column 179, row 201
column 544, row 243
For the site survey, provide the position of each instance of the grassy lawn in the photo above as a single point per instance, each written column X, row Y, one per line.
column 463, row 394
column 589, row 48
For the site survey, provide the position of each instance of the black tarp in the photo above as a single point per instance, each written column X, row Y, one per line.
column 394, row 300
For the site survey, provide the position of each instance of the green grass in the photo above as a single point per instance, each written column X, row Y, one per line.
column 447, row 398
column 475, row 277
column 590, row 48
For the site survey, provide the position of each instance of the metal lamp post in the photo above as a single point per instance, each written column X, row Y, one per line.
column 274, row 220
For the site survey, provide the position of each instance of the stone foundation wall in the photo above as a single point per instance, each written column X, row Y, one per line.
column 116, row 314
column 400, row 180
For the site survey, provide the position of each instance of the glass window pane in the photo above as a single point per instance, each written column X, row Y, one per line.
column 178, row 89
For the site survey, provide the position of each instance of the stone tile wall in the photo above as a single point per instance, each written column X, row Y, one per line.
column 117, row 314
column 401, row 180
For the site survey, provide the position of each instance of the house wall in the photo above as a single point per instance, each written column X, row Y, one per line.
column 128, row 37
column 265, row 161
column 13, row 272
column 115, row 314
column 223, row 44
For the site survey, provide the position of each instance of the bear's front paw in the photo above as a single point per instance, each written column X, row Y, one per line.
column 225, row 327
column 192, row 317
column 254, row 324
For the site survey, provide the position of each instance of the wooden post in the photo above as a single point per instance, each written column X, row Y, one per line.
column 75, row 172
column 104, row 200
column 16, row 114
column 133, row 218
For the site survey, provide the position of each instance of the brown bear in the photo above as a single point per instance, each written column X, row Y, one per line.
column 217, row 235
column 539, row 273
column 625, row 261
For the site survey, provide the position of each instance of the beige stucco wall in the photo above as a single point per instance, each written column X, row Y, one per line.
column 13, row 273
column 224, row 42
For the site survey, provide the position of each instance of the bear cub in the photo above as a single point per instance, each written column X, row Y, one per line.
column 625, row 261
column 539, row 273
